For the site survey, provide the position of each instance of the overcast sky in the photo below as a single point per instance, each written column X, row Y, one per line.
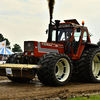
column 22, row 20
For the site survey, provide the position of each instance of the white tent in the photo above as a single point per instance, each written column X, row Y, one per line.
column 5, row 51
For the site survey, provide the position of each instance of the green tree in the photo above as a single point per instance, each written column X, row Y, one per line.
column 1, row 37
column 98, row 43
column 7, row 41
column 16, row 48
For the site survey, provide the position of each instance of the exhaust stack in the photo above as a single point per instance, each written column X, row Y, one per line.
column 57, row 26
column 51, row 7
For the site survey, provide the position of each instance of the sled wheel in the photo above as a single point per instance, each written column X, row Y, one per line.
column 19, row 80
column 89, row 66
column 56, row 69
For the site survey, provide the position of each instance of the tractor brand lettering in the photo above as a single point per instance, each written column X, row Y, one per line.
column 45, row 49
column 46, row 44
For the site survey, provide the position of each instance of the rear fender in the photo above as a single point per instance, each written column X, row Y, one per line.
column 91, row 45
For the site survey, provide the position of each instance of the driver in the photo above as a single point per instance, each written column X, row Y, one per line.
column 68, row 36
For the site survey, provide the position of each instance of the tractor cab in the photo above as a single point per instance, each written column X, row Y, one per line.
column 72, row 35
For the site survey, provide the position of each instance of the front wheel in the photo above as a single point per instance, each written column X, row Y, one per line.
column 56, row 69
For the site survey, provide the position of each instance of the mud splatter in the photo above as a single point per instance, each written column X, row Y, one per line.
column 35, row 90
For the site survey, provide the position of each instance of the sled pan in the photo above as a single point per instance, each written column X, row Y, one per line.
column 18, row 70
column 25, row 66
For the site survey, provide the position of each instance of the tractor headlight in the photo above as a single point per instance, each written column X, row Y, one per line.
column 32, row 53
column 25, row 53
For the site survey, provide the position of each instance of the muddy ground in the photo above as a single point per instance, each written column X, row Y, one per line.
column 35, row 90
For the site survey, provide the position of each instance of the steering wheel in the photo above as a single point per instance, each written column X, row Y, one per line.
column 63, row 39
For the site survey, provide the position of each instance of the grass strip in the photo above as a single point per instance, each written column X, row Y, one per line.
column 92, row 97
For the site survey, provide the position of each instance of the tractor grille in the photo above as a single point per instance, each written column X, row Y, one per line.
column 28, row 46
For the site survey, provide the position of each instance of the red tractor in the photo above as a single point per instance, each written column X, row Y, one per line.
column 68, row 53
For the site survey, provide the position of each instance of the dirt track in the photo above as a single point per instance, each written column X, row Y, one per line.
column 35, row 90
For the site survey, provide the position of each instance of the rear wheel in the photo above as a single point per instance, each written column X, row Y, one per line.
column 56, row 69
column 89, row 66
column 96, row 66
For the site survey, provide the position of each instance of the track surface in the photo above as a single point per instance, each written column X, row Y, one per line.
column 36, row 90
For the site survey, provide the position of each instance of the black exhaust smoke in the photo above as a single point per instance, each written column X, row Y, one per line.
column 51, row 7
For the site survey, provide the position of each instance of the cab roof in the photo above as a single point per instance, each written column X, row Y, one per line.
column 72, row 21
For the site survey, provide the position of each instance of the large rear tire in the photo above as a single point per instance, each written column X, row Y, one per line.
column 89, row 66
column 56, row 69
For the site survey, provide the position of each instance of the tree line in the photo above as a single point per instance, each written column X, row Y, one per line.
column 16, row 47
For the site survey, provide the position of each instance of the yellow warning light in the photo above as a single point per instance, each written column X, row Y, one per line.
column 83, row 23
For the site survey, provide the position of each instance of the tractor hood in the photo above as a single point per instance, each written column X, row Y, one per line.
column 37, row 49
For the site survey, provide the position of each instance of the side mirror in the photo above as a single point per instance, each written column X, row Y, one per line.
column 46, row 31
column 78, row 29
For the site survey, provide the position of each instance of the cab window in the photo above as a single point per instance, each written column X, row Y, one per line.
column 76, row 40
column 77, row 35
column 84, row 39
column 63, row 34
